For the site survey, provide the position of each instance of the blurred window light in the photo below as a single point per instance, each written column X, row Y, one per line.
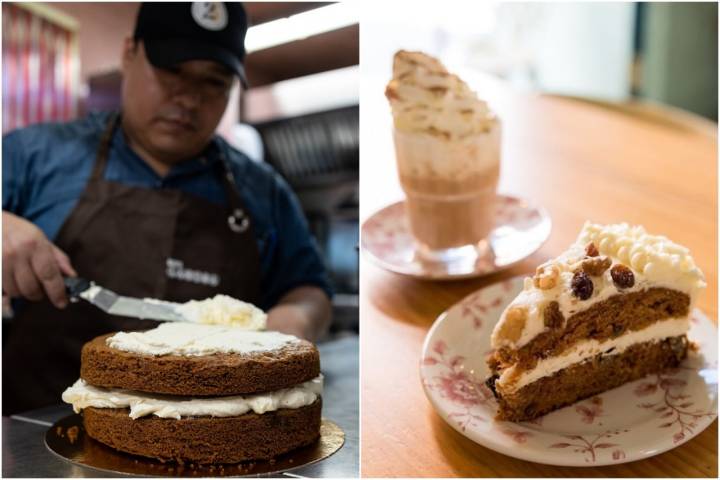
column 301, row 25
column 303, row 95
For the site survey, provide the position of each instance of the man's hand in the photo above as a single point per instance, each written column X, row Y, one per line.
column 32, row 266
column 303, row 312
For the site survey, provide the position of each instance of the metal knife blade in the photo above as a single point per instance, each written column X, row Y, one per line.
column 114, row 304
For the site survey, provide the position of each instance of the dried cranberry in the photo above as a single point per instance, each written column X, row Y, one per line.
column 582, row 286
column 591, row 250
column 622, row 276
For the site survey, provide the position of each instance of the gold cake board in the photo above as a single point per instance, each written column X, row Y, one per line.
column 68, row 440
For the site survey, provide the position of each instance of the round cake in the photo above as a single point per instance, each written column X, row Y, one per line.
column 200, row 393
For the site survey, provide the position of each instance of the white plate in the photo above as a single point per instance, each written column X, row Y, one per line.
column 637, row 420
column 520, row 229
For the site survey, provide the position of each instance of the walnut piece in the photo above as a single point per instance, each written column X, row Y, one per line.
column 596, row 266
column 546, row 277
column 514, row 323
column 591, row 250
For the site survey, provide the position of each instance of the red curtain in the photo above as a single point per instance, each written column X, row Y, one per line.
column 40, row 82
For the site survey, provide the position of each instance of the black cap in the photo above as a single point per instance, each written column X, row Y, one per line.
column 175, row 32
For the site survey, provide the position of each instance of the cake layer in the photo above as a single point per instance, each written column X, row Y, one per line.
column 603, row 321
column 514, row 379
column 582, row 380
column 206, row 439
column 81, row 396
column 200, row 375
column 604, row 261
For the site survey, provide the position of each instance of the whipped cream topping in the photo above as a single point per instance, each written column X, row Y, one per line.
column 82, row 395
column 655, row 262
column 426, row 98
column 193, row 339
column 510, row 382
column 223, row 310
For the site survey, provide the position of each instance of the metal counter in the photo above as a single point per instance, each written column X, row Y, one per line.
column 25, row 454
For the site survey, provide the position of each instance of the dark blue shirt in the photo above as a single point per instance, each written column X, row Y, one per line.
column 45, row 169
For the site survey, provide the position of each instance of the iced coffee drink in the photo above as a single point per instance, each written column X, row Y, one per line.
column 447, row 146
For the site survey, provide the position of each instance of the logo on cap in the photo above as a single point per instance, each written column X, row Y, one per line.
column 210, row 15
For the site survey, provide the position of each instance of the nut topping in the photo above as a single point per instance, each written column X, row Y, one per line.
column 514, row 323
column 546, row 277
column 596, row 266
column 591, row 250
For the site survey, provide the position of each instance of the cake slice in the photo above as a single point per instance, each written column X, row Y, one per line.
column 612, row 308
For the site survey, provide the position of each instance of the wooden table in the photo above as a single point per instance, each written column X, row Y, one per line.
column 579, row 160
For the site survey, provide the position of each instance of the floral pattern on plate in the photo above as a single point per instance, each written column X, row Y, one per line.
column 520, row 230
column 634, row 421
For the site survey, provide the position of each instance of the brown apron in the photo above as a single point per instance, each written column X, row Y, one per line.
column 138, row 242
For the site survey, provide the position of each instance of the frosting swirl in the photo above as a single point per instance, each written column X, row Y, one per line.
column 426, row 98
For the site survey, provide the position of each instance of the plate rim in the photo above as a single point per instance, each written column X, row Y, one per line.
column 449, row 277
column 534, row 455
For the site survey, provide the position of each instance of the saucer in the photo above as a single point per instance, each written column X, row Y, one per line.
column 521, row 228
column 637, row 420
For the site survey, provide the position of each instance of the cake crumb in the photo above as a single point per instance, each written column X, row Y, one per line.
column 72, row 433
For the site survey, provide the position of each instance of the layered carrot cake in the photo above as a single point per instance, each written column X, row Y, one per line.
column 198, row 392
column 612, row 308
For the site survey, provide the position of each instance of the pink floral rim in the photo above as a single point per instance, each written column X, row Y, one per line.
column 634, row 421
column 521, row 229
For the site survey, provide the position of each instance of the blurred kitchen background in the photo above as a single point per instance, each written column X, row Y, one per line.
column 300, row 114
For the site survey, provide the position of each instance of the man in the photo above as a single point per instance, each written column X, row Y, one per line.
column 148, row 203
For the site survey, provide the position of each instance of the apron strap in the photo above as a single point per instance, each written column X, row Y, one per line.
column 103, row 150
column 238, row 220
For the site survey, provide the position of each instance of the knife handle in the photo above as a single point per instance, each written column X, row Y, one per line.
column 74, row 286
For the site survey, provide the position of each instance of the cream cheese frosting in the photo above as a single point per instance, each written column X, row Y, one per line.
column 82, row 395
column 426, row 98
column 194, row 339
column 218, row 310
column 655, row 261
column 223, row 310
column 590, row 348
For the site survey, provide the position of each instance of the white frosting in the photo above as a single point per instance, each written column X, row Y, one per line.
column 90, row 293
column 590, row 348
column 654, row 260
column 426, row 98
column 218, row 310
column 223, row 310
column 81, row 395
column 193, row 339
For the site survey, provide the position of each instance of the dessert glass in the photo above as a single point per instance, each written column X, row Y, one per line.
column 450, row 187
